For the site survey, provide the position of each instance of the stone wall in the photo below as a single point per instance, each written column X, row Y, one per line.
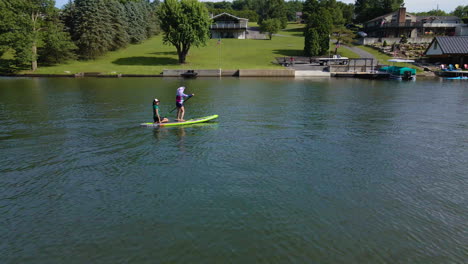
column 205, row 73
column 390, row 41
column 267, row 73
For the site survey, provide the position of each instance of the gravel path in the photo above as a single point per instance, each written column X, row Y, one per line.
column 360, row 52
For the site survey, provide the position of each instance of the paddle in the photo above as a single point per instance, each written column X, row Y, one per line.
column 184, row 102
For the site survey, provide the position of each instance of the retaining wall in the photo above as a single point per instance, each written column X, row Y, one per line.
column 200, row 73
column 311, row 74
column 390, row 41
column 267, row 73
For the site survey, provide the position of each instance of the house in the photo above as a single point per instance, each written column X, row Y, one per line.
column 418, row 29
column 299, row 17
column 449, row 50
column 228, row 26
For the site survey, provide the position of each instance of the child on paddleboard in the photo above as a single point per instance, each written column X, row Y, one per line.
column 156, row 117
column 180, row 96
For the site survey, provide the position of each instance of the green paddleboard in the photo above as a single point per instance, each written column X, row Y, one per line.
column 187, row 122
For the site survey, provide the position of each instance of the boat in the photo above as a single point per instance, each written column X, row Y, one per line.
column 189, row 74
column 451, row 74
column 400, row 73
column 457, row 78
column 187, row 122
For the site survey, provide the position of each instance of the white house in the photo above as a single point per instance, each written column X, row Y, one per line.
column 228, row 26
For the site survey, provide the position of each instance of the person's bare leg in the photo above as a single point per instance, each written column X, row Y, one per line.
column 178, row 114
column 182, row 112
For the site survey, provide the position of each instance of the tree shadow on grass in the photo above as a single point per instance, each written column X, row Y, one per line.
column 146, row 61
column 289, row 52
column 164, row 53
column 298, row 32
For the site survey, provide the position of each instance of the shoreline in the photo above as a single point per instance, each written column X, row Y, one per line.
column 220, row 73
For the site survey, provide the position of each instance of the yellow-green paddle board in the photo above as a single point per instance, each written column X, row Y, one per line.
column 187, row 122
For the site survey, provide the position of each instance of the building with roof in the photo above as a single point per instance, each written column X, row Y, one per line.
column 416, row 28
column 228, row 26
column 445, row 49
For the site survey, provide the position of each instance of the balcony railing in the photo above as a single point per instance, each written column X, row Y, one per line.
column 229, row 26
column 397, row 25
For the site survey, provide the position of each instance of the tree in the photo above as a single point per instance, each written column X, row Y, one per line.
column 318, row 29
column 272, row 26
column 27, row 27
column 292, row 7
column 434, row 12
column 347, row 12
column 311, row 42
column 57, row 45
column 8, row 25
column 366, row 10
column 268, row 9
column 93, row 32
column 185, row 23
column 136, row 22
column 461, row 11
column 119, row 25
column 342, row 36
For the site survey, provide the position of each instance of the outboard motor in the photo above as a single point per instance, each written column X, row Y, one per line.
column 407, row 76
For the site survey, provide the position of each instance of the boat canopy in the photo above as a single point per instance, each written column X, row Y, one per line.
column 395, row 70
column 400, row 60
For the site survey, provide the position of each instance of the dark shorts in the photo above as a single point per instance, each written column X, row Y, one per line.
column 155, row 118
column 179, row 105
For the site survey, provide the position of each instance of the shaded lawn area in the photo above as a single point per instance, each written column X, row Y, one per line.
column 152, row 57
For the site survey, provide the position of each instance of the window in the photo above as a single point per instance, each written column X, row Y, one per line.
column 435, row 45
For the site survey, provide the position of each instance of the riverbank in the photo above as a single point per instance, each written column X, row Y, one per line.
column 177, row 73
column 152, row 57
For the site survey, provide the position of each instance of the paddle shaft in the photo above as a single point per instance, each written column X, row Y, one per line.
column 184, row 102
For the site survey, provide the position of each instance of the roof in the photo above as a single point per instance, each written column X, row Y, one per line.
column 452, row 45
column 227, row 14
column 419, row 18
column 381, row 17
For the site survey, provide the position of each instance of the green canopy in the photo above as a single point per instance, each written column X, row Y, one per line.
column 395, row 70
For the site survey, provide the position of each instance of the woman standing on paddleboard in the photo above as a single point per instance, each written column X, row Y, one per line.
column 180, row 96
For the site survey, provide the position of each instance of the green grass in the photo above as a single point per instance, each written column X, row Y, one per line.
column 383, row 58
column 344, row 52
column 152, row 57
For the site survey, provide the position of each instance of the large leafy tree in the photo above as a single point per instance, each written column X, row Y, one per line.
column 8, row 25
column 461, row 11
column 270, row 9
column 185, row 23
column 270, row 26
column 292, row 7
column 366, row 10
column 29, row 25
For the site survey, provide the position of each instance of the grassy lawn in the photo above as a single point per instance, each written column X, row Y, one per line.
column 344, row 52
column 152, row 57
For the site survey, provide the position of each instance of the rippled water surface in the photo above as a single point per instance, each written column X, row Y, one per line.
column 292, row 171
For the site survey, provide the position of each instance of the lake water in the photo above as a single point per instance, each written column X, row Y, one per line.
column 292, row 171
